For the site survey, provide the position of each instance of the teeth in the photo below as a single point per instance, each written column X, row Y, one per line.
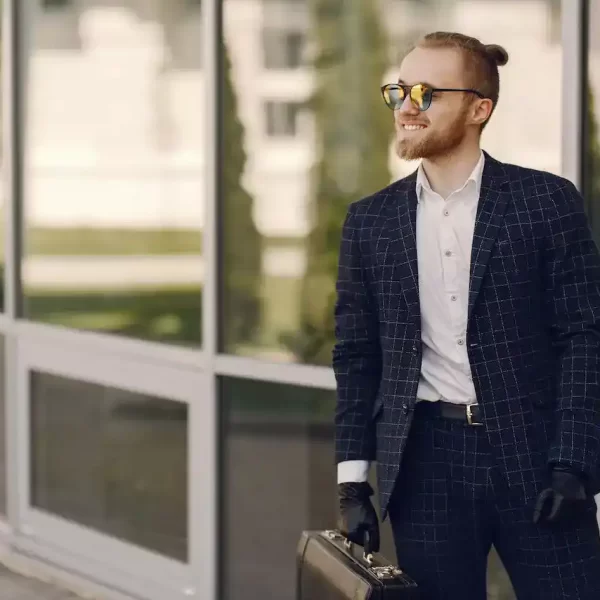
column 414, row 127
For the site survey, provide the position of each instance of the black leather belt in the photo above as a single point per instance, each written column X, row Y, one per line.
column 470, row 414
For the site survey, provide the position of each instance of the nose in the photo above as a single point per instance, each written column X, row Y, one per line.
column 408, row 107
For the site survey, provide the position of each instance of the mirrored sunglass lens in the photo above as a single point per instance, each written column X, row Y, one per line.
column 393, row 96
column 421, row 96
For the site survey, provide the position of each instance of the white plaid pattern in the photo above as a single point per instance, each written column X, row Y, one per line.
column 453, row 502
column 533, row 333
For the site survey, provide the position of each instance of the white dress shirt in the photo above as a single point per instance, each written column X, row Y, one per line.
column 444, row 239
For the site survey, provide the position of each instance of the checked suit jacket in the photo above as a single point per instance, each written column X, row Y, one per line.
column 533, row 331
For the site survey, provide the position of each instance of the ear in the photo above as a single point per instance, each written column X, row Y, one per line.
column 481, row 111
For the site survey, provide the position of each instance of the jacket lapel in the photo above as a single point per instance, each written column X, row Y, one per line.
column 492, row 204
column 402, row 229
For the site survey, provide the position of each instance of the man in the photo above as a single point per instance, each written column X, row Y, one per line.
column 468, row 349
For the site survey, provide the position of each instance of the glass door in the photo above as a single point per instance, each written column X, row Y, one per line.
column 116, row 466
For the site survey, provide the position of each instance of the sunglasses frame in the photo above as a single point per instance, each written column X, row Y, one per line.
column 407, row 89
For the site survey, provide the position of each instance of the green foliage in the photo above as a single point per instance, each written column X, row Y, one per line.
column 591, row 166
column 106, row 241
column 242, row 244
column 353, row 135
column 165, row 315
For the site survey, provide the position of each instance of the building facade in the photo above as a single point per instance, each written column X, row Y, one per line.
column 176, row 173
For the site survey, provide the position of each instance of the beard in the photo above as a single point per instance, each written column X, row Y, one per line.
column 432, row 144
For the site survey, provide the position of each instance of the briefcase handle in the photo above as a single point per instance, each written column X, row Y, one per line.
column 335, row 534
column 384, row 572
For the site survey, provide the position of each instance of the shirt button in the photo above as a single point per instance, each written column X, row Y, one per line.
column 446, row 213
column 453, row 298
column 448, row 253
column 461, row 342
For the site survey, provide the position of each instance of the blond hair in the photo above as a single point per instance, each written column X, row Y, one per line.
column 481, row 61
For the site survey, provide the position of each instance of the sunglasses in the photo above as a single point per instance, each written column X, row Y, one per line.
column 420, row 94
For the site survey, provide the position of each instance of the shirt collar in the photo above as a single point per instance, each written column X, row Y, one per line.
column 475, row 176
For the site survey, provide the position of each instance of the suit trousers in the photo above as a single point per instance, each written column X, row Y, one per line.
column 451, row 502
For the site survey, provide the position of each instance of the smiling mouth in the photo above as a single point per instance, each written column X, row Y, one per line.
column 413, row 127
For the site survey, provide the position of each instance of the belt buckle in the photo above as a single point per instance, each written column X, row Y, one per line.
column 470, row 416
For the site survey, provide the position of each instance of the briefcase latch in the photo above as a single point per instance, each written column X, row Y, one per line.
column 389, row 572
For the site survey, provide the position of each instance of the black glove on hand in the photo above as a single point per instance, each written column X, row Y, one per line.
column 563, row 500
column 357, row 515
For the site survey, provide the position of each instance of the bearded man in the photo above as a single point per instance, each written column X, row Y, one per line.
column 468, row 349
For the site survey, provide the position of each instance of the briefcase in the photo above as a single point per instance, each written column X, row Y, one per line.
column 330, row 568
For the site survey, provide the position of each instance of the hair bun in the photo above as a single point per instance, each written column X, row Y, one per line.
column 497, row 53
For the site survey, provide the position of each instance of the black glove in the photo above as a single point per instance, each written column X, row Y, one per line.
column 357, row 515
column 563, row 500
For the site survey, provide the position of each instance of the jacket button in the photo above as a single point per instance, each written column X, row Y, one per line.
column 405, row 408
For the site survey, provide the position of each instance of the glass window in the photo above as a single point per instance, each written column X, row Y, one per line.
column 55, row 3
column 278, row 480
column 591, row 134
column 283, row 49
column 3, row 483
column 112, row 460
column 113, row 169
column 287, row 195
column 2, row 187
column 281, row 118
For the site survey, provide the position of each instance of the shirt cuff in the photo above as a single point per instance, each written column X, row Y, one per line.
column 353, row 470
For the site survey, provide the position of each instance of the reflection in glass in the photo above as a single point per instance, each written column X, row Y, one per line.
column 317, row 136
column 283, row 48
column 3, row 188
column 112, row 460
column 591, row 133
column 241, row 247
column 299, row 193
column 2, row 430
column 113, row 168
column 278, row 480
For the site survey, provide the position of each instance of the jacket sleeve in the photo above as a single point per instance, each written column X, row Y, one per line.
column 572, row 294
column 357, row 352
